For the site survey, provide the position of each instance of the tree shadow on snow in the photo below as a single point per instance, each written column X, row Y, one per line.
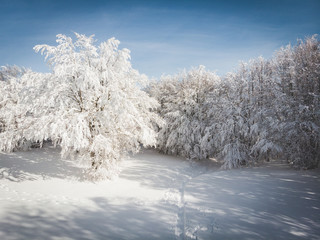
column 36, row 164
column 102, row 221
column 254, row 204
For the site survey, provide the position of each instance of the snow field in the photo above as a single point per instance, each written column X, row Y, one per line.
column 154, row 197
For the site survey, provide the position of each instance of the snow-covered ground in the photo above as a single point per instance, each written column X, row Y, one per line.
column 155, row 197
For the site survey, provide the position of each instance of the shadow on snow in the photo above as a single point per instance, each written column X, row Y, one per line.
column 36, row 164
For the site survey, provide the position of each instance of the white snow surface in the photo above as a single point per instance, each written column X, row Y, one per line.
column 155, row 197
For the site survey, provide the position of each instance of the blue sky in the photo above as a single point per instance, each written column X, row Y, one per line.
column 164, row 36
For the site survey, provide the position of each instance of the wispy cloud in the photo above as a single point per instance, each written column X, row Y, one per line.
column 163, row 36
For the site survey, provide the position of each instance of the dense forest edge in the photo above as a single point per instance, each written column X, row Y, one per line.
column 97, row 108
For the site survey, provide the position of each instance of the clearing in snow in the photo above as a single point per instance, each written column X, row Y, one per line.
column 155, row 197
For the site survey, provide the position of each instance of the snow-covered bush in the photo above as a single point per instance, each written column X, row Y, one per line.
column 91, row 104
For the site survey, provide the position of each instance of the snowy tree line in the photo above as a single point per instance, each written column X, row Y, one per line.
column 267, row 109
column 92, row 105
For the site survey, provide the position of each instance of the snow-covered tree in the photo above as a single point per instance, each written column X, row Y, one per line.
column 9, row 96
column 10, row 72
column 91, row 104
column 266, row 109
column 183, row 99
column 298, row 70
column 247, row 134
